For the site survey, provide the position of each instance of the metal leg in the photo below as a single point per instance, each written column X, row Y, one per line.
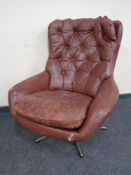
column 40, row 139
column 104, row 128
column 79, row 149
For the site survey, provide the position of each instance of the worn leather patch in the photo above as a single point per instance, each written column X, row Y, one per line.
column 57, row 108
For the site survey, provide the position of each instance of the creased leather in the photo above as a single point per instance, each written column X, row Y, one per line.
column 102, row 106
column 81, row 54
column 58, row 108
column 31, row 85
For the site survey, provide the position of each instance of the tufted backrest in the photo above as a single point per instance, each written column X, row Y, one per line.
column 82, row 53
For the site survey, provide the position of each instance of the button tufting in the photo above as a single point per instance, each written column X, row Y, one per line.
column 82, row 46
column 78, row 49
column 59, row 30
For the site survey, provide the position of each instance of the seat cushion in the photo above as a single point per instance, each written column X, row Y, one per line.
column 59, row 108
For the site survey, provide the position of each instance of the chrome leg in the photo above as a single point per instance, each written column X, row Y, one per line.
column 79, row 149
column 40, row 139
column 103, row 128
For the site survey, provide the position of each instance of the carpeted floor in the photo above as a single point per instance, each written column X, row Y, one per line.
column 106, row 153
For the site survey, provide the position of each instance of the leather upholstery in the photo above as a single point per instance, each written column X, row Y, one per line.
column 82, row 55
column 31, row 85
column 58, row 108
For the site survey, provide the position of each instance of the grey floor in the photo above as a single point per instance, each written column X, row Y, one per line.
column 106, row 153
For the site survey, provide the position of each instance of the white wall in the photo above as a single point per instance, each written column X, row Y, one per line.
column 23, row 36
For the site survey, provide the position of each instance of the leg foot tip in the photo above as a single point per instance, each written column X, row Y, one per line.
column 103, row 128
column 81, row 155
column 37, row 141
column 40, row 139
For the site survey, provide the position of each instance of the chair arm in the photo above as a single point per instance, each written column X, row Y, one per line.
column 100, row 109
column 31, row 85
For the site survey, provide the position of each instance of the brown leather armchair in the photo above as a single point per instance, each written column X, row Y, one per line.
column 76, row 93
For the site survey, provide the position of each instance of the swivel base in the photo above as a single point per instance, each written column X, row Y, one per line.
column 80, row 152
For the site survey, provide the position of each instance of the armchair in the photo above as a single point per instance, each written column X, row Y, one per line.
column 76, row 93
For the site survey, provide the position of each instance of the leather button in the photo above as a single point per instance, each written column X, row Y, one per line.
column 59, row 58
column 63, row 72
column 75, row 32
column 59, row 30
column 77, row 72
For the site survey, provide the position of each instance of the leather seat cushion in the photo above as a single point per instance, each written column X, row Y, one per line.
column 58, row 108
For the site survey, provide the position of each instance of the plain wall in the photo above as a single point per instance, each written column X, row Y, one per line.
column 23, row 36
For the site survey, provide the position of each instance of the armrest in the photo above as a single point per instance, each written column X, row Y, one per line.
column 31, row 85
column 100, row 109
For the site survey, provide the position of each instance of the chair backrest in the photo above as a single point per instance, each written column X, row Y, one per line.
column 82, row 53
